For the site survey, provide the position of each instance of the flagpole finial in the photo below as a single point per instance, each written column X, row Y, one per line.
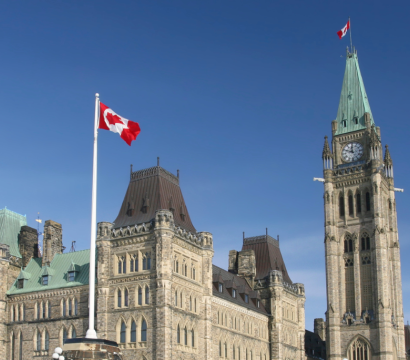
column 97, row 95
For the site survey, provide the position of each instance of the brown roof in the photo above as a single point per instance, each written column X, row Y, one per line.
column 267, row 255
column 150, row 190
column 230, row 281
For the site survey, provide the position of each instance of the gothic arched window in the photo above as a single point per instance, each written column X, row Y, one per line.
column 73, row 333
column 367, row 201
column 193, row 338
column 178, row 334
column 126, row 297
column 46, row 341
column 65, row 335
column 341, row 206
column 139, row 295
column 185, row 336
column 176, row 298
column 119, row 301
column 146, row 295
column 365, row 242
column 358, row 203
column 21, row 347
column 38, row 348
column 133, row 331
column 122, row 332
column 350, row 204
column 144, row 330
column 75, row 306
column 359, row 350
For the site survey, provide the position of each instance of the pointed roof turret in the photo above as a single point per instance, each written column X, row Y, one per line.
column 353, row 102
column 387, row 158
column 326, row 154
column 150, row 190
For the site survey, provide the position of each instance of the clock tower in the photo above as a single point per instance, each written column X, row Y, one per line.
column 363, row 276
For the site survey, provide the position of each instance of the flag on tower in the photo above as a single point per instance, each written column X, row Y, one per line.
column 343, row 32
column 111, row 121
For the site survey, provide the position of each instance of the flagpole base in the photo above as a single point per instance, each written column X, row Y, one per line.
column 91, row 334
column 90, row 349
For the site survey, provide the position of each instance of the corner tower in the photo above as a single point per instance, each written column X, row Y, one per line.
column 363, row 271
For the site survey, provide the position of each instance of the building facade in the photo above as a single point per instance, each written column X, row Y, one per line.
column 158, row 295
column 364, row 318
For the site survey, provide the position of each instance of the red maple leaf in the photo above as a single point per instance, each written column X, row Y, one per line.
column 113, row 119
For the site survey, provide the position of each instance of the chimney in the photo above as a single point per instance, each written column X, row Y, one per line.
column 233, row 262
column 247, row 266
column 28, row 244
column 320, row 328
column 52, row 242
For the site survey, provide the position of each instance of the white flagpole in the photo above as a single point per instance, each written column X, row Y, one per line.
column 91, row 333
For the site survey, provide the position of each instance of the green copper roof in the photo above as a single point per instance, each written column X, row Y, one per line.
column 58, row 271
column 10, row 224
column 353, row 99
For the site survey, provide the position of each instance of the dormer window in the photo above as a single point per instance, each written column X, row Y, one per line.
column 234, row 293
column 45, row 279
column 71, row 272
column 247, row 298
column 20, row 283
column 220, row 287
column 344, row 123
column 71, row 276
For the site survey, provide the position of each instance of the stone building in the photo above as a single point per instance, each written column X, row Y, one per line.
column 364, row 318
column 158, row 295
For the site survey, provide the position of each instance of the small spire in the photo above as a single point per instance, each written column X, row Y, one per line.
column 387, row 158
column 158, row 161
column 326, row 154
column 178, row 173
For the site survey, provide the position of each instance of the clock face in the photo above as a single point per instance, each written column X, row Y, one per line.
column 352, row 152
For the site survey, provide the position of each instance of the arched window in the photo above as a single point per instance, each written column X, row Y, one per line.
column 21, row 347
column 73, row 333
column 341, row 206
column 367, row 201
column 70, row 307
column 358, row 203
column 193, row 338
column 12, row 350
column 233, row 352
column 185, row 336
column 350, row 205
column 178, row 334
column 46, row 341
column 148, row 261
column 38, row 310
column 64, row 308
column 119, row 300
column 220, row 349
column 226, row 350
column 65, row 335
column 365, row 242
column 139, row 295
column 75, row 306
column 176, row 298
column 176, row 266
column 350, row 245
column 133, row 331
column 146, row 295
column 359, row 350
column 181, row 299
column 49, row 310
column 122, row 332
column 193, row 273
column 246, row 354
column 134, row 262
column 12, row 317
column 186, row 270
column 126, row 297
column 195, row 304
column 144, row 331
column 190, row 303
column 38, row 342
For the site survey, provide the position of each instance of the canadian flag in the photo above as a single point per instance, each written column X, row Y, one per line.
column 343, row 32
column 109, row 120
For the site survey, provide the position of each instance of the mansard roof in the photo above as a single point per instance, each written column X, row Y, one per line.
column 234, row 281
column 10, row 225
column 58, row 271
column 150, row 190
column 267, row 255
column 353, row 103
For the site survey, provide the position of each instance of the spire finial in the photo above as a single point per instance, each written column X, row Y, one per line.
column 178, row 173
column 158, row 161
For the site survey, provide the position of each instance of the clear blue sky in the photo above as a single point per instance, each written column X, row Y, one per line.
column 238, row 95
